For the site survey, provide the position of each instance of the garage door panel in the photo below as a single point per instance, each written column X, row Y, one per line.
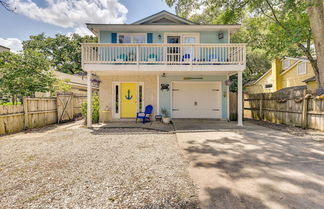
column 196, row 100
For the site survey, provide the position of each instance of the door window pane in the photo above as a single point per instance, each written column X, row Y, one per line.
column 140, row 98
column 116, row 99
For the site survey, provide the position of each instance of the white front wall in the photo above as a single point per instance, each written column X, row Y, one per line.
column 196, row 99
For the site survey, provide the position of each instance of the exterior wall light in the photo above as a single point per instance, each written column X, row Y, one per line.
column 220, row 35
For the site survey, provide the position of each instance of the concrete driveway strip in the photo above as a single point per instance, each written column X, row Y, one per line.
column 252, row 167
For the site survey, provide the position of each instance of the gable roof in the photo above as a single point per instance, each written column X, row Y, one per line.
column 310, row 79
column 4, row 47
column 256, row 81
column 164, row 17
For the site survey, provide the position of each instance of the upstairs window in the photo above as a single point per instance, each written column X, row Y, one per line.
column 285, row 64
column 129, row 38
column 301, row 69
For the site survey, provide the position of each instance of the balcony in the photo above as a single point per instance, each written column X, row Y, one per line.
column 164, row 57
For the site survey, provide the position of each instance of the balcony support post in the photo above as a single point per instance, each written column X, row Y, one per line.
column 89, row 100
column 240, row 99
column 137, row 54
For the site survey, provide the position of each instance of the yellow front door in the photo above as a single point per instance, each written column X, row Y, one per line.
column 128, row 100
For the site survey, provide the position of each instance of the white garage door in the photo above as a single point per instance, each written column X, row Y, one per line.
column 196, row 100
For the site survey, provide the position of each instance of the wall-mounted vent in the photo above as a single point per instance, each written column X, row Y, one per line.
column 192, row 78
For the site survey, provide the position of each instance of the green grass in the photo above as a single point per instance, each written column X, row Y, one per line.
column 10, row 103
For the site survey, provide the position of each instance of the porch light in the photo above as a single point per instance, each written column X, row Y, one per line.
column 163, row 75
column 160, row 36
column 220, row 35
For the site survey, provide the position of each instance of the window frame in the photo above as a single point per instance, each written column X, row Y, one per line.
column 304, row 70
column 265, row 86
column 132, row 37
column 283, row 64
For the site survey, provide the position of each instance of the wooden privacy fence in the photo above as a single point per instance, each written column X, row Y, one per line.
column 293, row 107
column 39, row 112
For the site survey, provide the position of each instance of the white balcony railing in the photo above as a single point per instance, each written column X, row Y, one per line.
column 177, row 54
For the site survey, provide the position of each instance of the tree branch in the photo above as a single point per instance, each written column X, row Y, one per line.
column 6, row 5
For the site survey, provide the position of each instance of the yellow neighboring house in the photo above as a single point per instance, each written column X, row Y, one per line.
column 284, row 73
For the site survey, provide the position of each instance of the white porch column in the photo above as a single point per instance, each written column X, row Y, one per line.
column 239, row 99
column 228, row 100
column 89, row 100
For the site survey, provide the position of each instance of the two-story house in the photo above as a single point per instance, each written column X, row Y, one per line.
column 285, row 73
column 165, row 61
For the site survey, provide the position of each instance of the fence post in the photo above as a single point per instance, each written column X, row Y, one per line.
column 25, row 103
column 261, row 107
column 305, row 110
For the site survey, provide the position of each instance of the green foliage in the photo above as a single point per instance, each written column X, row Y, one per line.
column 95, row 109
column 24, row 74
column 63, row 51
column 271, row 28
column 233, row 117
column 62, row 85
column 10, row 103
column 165, row 112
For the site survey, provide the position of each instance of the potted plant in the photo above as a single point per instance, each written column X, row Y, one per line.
column 165, row 116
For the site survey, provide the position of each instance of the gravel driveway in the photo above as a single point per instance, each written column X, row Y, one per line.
column 73, row 167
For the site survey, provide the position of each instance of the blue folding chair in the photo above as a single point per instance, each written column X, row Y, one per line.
column 146, row 114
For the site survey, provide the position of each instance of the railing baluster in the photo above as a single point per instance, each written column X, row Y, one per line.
column 174, row 54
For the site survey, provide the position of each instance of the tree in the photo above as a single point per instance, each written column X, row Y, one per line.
column 62, row 51
column 24, row 74
column 316, row 17
column 287, row 25
column 6, row 5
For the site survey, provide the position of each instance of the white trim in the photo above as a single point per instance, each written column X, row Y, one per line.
column 95, row 28
column 162, row 68
column 132, row 34
column 228, row 99
column 261, row 77
column 290, row 67
column 297, row 59
column 285, row 62
column 240, row 99
column 158, row 94
column 162, row 14
column 197, row 82
column 89, row 100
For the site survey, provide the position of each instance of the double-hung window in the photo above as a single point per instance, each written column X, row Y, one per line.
column 301, row 69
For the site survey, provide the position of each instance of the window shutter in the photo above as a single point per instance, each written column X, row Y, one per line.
column 113, row 38
column 149, row 38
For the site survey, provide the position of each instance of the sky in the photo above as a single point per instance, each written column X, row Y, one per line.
column 32, row 17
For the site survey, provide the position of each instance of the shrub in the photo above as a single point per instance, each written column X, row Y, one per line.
column 95, row 109
column 165, row 112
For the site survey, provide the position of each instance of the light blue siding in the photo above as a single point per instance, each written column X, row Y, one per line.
column 105, row 37
column 165, row 96
column 209, row 37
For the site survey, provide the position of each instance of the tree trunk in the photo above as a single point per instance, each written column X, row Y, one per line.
column 316, row 18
